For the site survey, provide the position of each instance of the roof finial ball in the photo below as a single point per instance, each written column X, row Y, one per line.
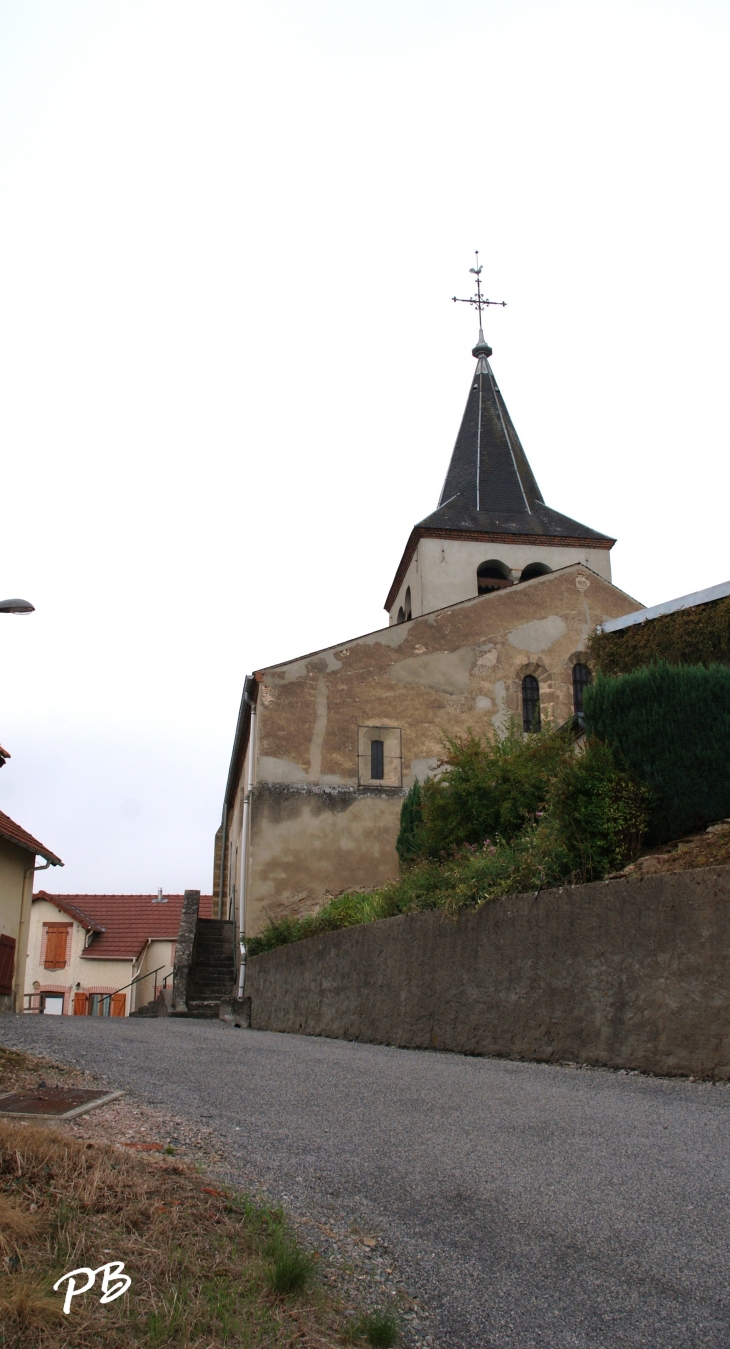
column 478, row 301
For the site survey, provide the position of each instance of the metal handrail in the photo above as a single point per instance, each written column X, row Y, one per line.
column 105, row 996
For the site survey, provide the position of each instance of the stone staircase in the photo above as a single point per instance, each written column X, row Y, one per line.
column 213, row 969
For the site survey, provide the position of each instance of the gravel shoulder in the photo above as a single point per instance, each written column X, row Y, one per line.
column 519, row 1204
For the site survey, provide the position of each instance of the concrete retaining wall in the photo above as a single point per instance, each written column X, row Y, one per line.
column 627, row 973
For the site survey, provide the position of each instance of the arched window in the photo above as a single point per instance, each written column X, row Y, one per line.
column 407, row 603
column 377, row 760
column 401, row 615
column 582, row 677
column 492, row 575
column 530, row 704
column 535, row 569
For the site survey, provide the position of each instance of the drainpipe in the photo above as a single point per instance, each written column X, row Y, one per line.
column 245, row 825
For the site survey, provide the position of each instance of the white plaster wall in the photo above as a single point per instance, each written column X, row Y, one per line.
column 155, row 953
column 88, row 973
column 444, row 571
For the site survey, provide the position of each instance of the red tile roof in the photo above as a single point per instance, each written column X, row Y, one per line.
column 124, row 923
column 14, row 834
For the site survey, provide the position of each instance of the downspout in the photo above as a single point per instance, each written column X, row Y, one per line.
column 245, row 827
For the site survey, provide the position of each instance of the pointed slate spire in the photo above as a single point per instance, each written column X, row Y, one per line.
column 490, row 487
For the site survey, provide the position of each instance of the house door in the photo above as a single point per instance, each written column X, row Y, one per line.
column 53, row 1004
column 7, row 963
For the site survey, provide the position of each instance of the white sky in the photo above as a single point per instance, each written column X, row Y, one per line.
column 231, row 374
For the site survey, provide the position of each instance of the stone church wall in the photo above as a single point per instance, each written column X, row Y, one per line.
column 309, row 842
column 623, row 973
column 319, row 823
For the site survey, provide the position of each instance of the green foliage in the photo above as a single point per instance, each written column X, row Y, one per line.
column 589, row 816
column 489, row 789
column 291, row 1267
column 408, row 845
column 600, row 812
column 696, row 636
column 671, row 726
column 379, row 1329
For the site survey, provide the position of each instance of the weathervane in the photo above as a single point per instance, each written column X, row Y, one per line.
column 478, row 300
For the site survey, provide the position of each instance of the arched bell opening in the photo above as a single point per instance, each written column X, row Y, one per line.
column 535, row 569
column 492, row 575
column 407, row 605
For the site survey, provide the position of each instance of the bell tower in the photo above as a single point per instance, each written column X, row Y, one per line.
column 491, row 528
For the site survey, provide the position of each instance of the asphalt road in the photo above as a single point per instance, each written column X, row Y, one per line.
column 528, row 1205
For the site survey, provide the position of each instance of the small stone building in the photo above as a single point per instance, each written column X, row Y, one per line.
column 489, row 616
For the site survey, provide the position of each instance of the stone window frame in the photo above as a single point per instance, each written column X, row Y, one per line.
column 392, row 756
column 549, row 694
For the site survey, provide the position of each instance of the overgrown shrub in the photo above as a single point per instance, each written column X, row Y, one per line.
column 408, row 844
column 489, row 789
column 589, row 817
column 671, row 726
column 696, row 636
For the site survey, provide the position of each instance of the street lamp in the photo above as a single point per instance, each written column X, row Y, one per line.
column 16, row 607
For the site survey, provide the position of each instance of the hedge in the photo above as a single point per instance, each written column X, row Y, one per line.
column 671, row 725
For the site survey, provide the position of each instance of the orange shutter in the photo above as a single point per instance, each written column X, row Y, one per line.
column 81, row 1004
column 56, row 945
column 7, row 963
column 118, row 1004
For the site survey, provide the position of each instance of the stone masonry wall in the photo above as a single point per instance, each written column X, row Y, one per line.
column 628, row 973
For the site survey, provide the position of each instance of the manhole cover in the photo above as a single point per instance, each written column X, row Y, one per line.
column 53, row 1102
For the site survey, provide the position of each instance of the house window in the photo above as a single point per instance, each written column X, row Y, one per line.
column 379, row 756
column 377, row 759
column 56, row 952
column 52, row 1004
column 582, row 677
column 530, row 704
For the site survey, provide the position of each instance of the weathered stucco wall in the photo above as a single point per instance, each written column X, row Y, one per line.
column 444, row 571
column 626, row 973
column 449, row 672
column 311, row 842
column 446, row 672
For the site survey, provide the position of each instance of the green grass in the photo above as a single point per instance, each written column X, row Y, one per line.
column 378, row 1329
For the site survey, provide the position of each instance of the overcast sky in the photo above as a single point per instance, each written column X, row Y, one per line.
column 232, row 373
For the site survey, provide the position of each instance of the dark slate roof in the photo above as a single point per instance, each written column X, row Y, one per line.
column 490, row 487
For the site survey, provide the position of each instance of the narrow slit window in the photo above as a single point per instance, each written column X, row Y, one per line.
column 530, row 704
column 377, row 760
column 582, row 677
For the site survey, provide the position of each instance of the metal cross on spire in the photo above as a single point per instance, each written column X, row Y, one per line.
column 478, row 300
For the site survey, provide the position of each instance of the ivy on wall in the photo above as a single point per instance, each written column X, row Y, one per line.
column 697, row 636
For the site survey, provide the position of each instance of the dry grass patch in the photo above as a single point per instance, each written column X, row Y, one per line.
column 208, row 1268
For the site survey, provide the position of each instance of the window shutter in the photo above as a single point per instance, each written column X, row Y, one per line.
column 81, row 1004
column 118, row 1004
column 56, row 946
column 7, row 963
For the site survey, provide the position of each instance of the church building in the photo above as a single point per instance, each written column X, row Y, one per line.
column 489, row 616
